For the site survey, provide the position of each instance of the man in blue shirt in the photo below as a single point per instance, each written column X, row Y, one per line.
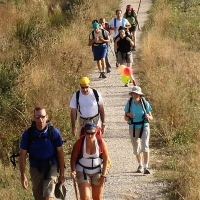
column 45, row 155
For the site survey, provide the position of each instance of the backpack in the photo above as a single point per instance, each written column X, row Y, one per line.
column 77, row 99
column 81, row 142
column 135, row 123
column 125, row 45
column 115, row 22
column 103, row 33
column 130, row 101
column 31, row 139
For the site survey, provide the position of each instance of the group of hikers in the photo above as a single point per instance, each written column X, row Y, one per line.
column 122, row 31
column 89, row 160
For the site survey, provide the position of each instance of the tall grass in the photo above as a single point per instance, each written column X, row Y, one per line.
column 43, row 54
column 169, row 73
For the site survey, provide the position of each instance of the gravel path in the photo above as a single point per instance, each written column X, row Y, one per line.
column 122, row 183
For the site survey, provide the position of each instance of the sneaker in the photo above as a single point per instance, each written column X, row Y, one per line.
column 100, row 76
column 103, row 75
column 108, row 70
column 126, row 85
column 140, row 169
column 146, row 171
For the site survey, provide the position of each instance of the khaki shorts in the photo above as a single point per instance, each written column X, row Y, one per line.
column 140, row 144
column 91, row 178
column 82, row 122
column 43, row 188
column 127, row 57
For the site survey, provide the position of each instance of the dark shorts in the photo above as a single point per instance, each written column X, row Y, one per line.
column 123, row 58
column 133, row 28
column 99, row 51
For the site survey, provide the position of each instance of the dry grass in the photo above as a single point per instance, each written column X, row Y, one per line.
column 169, row 74
column 45, row 45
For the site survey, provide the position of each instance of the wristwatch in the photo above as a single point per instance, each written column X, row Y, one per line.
column 103, row 123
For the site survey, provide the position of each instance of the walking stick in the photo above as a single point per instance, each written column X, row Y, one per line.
column 142, row 99
column 75, row 189
column 139, row 7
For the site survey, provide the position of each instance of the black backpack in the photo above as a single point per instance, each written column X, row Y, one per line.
column 77, row 99
column 31, row 139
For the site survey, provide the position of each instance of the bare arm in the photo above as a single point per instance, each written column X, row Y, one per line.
column 105, row 158
column 22, row 167
column 102, row 117
column 61, row 178
column 73, row 120
column 73, row 159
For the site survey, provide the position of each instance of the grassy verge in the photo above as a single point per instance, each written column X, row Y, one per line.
column 43, row 54
column 169, row 73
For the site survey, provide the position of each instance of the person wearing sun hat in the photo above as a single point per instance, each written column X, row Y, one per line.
column 89, row 163
column 98, row 39
column 138, row 114
column 88, row 104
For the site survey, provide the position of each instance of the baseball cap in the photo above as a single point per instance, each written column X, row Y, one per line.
column 95, row 25
column 84, row 80
column 90, row 126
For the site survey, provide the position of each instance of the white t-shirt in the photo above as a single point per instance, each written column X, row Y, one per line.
column 118, row 24
column 88, row 104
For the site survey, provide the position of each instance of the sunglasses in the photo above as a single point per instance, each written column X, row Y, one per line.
column 86, row 87
column 40, row 116
column 91, row 133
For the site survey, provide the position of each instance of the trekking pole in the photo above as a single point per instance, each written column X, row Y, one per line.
column 112, row 50
column 139, row 7
column 142, row 99
column 75, row 189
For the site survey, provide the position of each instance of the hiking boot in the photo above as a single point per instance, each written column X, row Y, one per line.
column 116, row 65
column 139, row 169
column 103, row 75
column 126, row 85
column 100, row 76
column 146, row 171
column 108, row 70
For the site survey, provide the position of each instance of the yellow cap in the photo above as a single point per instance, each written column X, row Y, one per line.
column 85, row 80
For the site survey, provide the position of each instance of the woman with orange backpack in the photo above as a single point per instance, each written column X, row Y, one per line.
column 89, row 163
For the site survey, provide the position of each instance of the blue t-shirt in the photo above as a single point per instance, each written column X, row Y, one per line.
column 41, row 148
column 138, row 111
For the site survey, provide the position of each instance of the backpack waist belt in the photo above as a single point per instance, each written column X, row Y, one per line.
column 141, row 130
column 89, row 118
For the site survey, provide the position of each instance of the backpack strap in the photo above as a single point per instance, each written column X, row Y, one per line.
column 129, row 104
column 77, row 100
column 123, row 22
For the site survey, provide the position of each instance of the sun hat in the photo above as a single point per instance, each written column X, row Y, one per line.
column 60, row 191
column 137, row 90
column 95, row 25
column 90, row 126
column 84, row 80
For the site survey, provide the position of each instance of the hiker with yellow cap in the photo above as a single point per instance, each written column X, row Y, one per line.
column 87, row 103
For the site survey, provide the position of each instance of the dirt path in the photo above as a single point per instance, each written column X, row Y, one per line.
column 123, row 183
